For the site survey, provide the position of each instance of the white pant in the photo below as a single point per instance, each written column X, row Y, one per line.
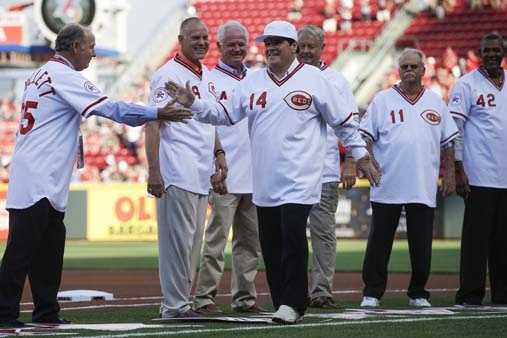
column 181, row 215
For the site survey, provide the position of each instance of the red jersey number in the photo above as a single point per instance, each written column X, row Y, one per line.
column 195, row 91
column 394, row 117
column 27, row 119
column 261, row 100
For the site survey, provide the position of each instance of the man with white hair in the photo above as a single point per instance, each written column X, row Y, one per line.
column 288, row 105
column 322, row 216
column 236, row 207
column 407, row 127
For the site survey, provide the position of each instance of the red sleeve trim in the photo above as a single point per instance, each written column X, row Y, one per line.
column 366, row 133
column 345, row 121
column 93, row 104
column 226, row 113
column 449, row 138
column 460, row 115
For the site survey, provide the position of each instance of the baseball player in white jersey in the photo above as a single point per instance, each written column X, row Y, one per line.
column 322, row 216
column 55, row 99
column 478, row 103
column 407, row 126
column 180, row 159
column 288, row 105
column 236, row 207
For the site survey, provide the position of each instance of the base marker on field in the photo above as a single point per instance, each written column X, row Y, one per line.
column 228, row 319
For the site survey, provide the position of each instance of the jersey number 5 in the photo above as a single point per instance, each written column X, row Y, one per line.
column 27, row 119
column 261, row 100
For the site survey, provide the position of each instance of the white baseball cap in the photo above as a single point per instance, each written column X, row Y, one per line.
column 279, row 28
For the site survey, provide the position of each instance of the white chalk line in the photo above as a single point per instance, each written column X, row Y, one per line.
column 223, row 295
column 296, row 326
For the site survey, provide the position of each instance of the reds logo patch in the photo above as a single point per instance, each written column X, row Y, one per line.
column 161, row 94
column 298, row 100
column 431, row 116
column 91, row 87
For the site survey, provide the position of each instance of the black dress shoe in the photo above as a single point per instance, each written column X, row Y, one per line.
column 13, row 323
column 57, row 321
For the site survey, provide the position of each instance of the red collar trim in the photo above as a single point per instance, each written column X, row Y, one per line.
column 182, row 60
column 62, row 60
column 486, row 75
column 323, row 65
column 408, row 99
column 288, row 76
column 231, row 74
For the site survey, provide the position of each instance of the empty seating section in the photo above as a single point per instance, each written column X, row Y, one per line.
column 461, row 30
column 255, row 14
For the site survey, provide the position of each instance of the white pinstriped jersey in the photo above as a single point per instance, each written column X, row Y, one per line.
column 186, row 150
column 287, row 123
column 55, row 99
column 234, row 139
column 482, row 105
column 331, row 171
column 407, row 136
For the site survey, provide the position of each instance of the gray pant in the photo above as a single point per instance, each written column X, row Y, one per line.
column 323, row 237
column 181, row 215
column 239, row 211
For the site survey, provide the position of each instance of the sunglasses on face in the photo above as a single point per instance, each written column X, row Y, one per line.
column 407, row 67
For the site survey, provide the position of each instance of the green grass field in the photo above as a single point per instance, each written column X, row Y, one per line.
column 460, row 323
column 143, row 255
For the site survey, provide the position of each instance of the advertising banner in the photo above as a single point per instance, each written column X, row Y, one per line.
column 11, row 28
column 120, row 212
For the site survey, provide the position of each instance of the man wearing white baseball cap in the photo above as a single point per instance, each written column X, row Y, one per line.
column 288, row 105
column 279, row 28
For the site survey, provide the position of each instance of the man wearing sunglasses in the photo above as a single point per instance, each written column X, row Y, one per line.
column 407, row 127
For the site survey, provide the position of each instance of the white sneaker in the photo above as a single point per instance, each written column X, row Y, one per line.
column 419, row 302
column 286, row 315
column 370, row 302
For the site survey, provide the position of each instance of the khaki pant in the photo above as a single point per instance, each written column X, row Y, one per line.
column 239, row 211
column 181, row 217
column 323, row 237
